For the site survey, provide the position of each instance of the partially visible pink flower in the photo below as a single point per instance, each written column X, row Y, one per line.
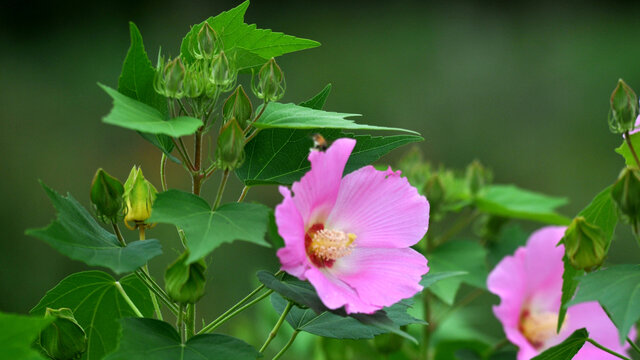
column 350, row 236
column 529, row 285
column 636, row 126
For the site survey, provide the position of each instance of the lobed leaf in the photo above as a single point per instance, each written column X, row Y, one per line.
column 18, row 334
column 623, row 150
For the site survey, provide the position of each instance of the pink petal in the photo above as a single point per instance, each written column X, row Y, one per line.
column 292, row 256
column 381, row 208
column 381, row 277
column 317, row 190
column 636, row 126
column 335, row 294
column 544, row 268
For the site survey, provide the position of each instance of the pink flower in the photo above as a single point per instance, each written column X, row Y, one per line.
column 350, row 236
column 529, row 285
column 636, row 126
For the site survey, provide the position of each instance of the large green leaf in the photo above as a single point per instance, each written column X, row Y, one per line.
column 247, row 45
column 626, row 153
column 144, row 339
column 509, row 239
column 207, row 229
column 77, row 235
column 567, row 349
column 136, row 82
column 617, row 289
column 300, row 292
column 18, row 332
column 459, row 255
column 292, row 116
column 512, row 202
column 602, row 213
column 135, row 115
column 432, row 277
column 97, row 305
column 279, row 156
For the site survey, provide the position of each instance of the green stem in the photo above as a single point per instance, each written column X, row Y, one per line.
column 163, row 177
column 184, row 157
column 183, row 107
column 275, row 329
column 253, row 134
column 633, row 344
column 119, row 234
column 264, row 106
column 210, row 170
column 287, row 346
column 594, row 343
column 157, row 291
column 179, row 323
column 223, row 183
column 184, row 151
column 221, row 320
column 245, row 190
column 627, row 138
column 426, row 330
column 128, row 300
column 190, row 321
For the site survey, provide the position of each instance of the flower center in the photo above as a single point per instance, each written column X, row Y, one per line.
column 325, row 246
column 539, row 327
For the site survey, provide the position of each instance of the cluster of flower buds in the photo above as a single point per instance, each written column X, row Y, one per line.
column 626, row 195
column 106, row 196
column 64, row 338
column 185, row 283
column 586, row 245
column 270, row 85
column 624, row 108
column 139, row 195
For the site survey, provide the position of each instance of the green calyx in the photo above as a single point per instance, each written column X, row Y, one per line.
column 185, row 283
column 238, row 106
column 64, row 339
column 230, row 146
column 586, row 245
column 106, row 195
column 626, row 195
column 624, row 108
column 139, row 195
column 271, row 84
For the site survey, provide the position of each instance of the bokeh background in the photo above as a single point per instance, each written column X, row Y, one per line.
column 523, row 87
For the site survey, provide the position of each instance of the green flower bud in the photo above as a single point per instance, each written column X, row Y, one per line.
column 238, row 106
column 195, row 83
column 435, row 192
column 230, row 146
column 174, row 75
column 185, row 283
column 139, row 195
column 477, row 177
column 626, row 195
column 222, row 73
column 271, row 84
column 586, row 245
column 208, row 43
column 106, row 196
column 64, row 339
column 624, row 108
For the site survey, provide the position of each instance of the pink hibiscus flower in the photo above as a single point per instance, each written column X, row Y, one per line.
column 636, row 126
column 529, row 285
column 350, row 236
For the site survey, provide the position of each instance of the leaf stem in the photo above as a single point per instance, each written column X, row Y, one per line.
column 253, row 134
column 245, row 190
column 152, row 286
column 221, row 320
column 287, row 346
column 163, row 174
column 264, row 106
column 184, row 150
column 186, row 161
column 190, row 321
column 128, row 300
column 223, row 183
column 179, row 322
column 116, row 229
column 627, row 138
column 594, row 343
column 275, row 329
column 633, row 344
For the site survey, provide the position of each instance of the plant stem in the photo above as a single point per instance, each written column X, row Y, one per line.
column 163, row 177
column 223, row 183
column 264, row 106
column 210, row 170
column 128, row 300
column 627, row 138
column 186, row 161
column 190, row 321
column 633, row 344
column 253, row 134
column 245, row 190
column 157, row 291
column 145, row 269
column 184, row 150
column 275, row 329
column 221, row 320
column 426, row 330
column 594, row 343
column 179, row 322
column 119, row 234
column 287, row 346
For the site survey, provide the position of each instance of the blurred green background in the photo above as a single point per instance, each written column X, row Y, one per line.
column 522, row 87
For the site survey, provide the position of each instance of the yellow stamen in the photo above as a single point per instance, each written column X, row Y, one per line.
column 328, row 244
column 538, row 328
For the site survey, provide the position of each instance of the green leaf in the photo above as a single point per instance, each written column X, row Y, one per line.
column 460, row 255
column 617, row 289
column 512, row 202
column 469, row 349
column 567, row 349
column 602, row 213
column 272, row 232
column 432, row 277
column 279, row 156
column 144, row 339
column 135, row 115
column 136, row 82
column 300, row 292
column 247, row 45
column 509, row 239
column 292, row 116
column 18, row 334
column 317, row 102
column 626, row 153
column 77, row 235
column 97, row 305
column 207, row 229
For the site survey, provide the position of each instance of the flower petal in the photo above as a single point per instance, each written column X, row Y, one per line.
column 544, row 268
column 381, row 208
column 335, row 294
column 290, row 226
column 317, row 190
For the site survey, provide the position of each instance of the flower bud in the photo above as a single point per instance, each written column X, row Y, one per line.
column 185, row 283
column 626, row 195
column 586, row 245
column 139, row 195
column 174, row 75
column 195, row 83
column 222, row 73
column 208, row 43
column 435, row 192
column 64, row 338
column 230, row 147
column 106, row 196
column 624, row 108
column 238, row 106
column 271, row 84
column 477, row 177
